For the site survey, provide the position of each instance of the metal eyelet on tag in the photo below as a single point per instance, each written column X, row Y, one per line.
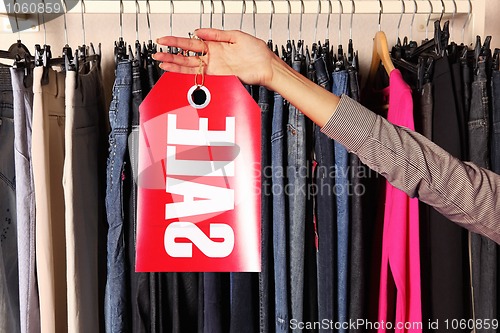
column 198, row 96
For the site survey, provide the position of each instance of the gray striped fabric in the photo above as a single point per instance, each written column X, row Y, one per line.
column 461, row 191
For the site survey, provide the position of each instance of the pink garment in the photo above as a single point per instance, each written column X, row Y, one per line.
column 400, row 244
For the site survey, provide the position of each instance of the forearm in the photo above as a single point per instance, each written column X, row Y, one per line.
column 314, row 101
column 462, row 192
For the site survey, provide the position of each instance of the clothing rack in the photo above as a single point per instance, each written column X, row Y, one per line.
column 280, row 6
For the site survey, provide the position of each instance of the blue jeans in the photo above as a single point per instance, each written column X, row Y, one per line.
column 280, row 216
column 117, row 302
column 265, row 283
column 142, row 313
column 495, row 121
column 479, row 119
column 28, row 289
column 297, row 194
column 9, row 275
column 326, row 216
column 339, row 87
column 484, row 251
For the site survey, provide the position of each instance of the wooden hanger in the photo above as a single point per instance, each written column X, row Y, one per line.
column 380, row 54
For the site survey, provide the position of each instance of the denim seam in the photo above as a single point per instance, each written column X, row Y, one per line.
column 11, row 184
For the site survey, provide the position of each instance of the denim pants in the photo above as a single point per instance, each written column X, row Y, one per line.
column 357, row 247
column 326, row 216
column 495, row 121
column 140, row 301
column 297, row 195
column 266, row 293
column 212, row 302
column 484, row 251
column 280, row 216
column 9, row 276
column 340, row 81
column 117, row 301
column 478, row 123
column 28, row 290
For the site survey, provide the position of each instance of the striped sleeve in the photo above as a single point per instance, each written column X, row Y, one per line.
column 461, row 191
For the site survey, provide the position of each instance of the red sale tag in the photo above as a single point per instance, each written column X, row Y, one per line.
column 199, row 177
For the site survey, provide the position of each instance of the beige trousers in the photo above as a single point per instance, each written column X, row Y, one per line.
column 48, row 158
column 80, row 182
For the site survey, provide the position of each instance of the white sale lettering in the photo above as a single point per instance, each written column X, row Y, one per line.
column 198, row 198
column 206, row 245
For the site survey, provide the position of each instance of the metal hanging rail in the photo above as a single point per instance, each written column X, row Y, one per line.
column 280, row 6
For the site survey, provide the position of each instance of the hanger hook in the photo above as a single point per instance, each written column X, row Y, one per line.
column 254, row 11
column 65, row 26
column 330, row 11
column 453, row 17
column 442, row 11
column 172, row 8
column 121, row 18
column 415, row 8
column 44, row 27
column 400, row 17
column 317, row 19
column 341, row 11
column 353, row 9
column 271, row 20
column 302, row 10
column 428, row 19
column 17, row 21
column 212, row 10
column 243, row 11
column 137, row 11
column 148, row 13
column 82, row 6
column 289, row 13
column 380, row 15
column 202, row 11
column 466, row 21
column 223, row 12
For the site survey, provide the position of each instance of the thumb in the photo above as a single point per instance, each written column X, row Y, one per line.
column 216, row 35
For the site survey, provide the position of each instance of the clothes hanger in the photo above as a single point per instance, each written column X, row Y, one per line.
column 86, row 58
column 442, row 11
column 120, row 50
column 299, row 54
column 18, row 52
column 339, row 59
column 270, row 40
column 254, row 11
column 466, row 21
column 21, row 56
column 350, row 47
column 137, row 54
column 287, row 52
column 70, row 62
column 453, row 18
column 202, row 11
column 150, row 48
column 380, row 50
column 172, row 50
column 314, row 48
column 326, row 45
column 212, row 10
column 243, row 11
column 428, row 20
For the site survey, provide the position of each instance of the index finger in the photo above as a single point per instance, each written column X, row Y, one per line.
column 188, row 44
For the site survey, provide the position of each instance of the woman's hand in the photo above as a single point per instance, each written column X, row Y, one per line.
column 225, row 53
